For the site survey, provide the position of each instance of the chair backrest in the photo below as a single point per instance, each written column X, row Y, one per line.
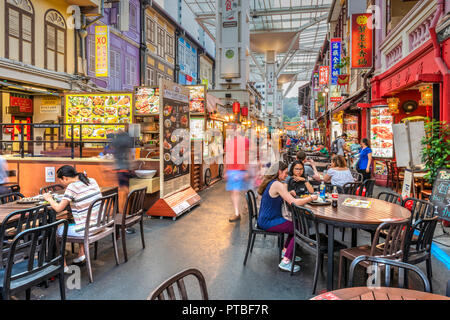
column 419, row 208
column 388, row 263
column 390, row 197
column 107, row 210
column 352, row 188
column 134, row 205
column 167, row 286
column 252, row 208
column 19, row 221
column 10, row 197
column 369, row 184
column 424, row 228
column 357, row 176
column 38, row 245
column 13, row 188
column 394, row 245
column 52, row 188
column 302, row 218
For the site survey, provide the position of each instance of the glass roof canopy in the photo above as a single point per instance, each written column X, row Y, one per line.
column 270, row 16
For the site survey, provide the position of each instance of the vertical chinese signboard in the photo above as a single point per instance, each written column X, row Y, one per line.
column 101, row 51
column 335, row 60
column 323, row 75
column 230, row 39
column 362, row 50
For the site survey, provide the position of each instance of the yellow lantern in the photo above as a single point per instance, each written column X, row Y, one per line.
column 393, row 105
column 427, row 95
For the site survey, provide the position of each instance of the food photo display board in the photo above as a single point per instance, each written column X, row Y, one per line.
column 146, row 100
column 97, row 108
column 176, row 193
column 197, row 99
column 381, row 133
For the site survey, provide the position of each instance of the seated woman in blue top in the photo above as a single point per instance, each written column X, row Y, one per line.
column 365, row 159
column 273, row 192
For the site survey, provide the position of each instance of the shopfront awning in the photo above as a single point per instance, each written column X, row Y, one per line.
column 17, row 88
column 349, row 101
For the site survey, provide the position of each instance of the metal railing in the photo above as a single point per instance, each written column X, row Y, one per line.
column 72, row 141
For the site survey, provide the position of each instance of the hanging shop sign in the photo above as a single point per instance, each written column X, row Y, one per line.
column 335, row 59
column 101, row 51
column 362, row 50
column 323, row 75
column 95, row 108
column 230, row 36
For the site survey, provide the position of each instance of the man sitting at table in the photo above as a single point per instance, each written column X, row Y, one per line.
column 80, row 193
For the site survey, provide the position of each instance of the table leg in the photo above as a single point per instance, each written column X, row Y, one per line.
column 354, row 237
column 330, row 274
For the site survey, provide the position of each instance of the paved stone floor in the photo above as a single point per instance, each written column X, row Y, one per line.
column 204, row 239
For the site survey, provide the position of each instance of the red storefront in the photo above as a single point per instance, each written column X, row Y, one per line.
column 404, row 80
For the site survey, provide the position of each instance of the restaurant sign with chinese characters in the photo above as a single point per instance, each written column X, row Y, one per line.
column 362, row 50
column 323, row 75
column 335, row 60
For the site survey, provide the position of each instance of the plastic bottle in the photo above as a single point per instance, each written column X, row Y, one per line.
column 334, row 197
column 322, row 190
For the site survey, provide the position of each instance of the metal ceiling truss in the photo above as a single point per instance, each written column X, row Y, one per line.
column 307, row 18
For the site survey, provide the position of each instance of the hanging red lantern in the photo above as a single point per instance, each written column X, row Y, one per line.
column 236, row 107
column 244, row 111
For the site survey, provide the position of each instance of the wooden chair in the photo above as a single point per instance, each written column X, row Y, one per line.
column 388, row 263
column 253, row 228
column 391, row 248
column 38, row 246
column 397, row 175
column 52, row 188
column 304, row 220
column 418, row 246
column 167, row 286
column 390, row 176
column 10, row 197
column 103, row 226
column 133, row 213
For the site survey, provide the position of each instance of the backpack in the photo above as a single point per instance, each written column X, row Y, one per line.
column 334, row 146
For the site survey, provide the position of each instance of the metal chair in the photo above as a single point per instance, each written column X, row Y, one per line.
column 99, row 228
column 419, row 241
column 133, row 212
column 38, row 246
column 52, row 188
column 368, row 184
column 167, row 286
column 388, row 263
column 352, row 188
column 303, row 219
column 10, row 197
column 253, row 228
column 390, row 197
column 392, row 248
column 419, row 208
column 357, row 176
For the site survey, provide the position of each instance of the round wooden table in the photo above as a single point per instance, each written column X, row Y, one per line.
column 355, row 218
column 379, row 293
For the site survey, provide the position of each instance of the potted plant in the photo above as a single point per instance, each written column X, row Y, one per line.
column 436, row 151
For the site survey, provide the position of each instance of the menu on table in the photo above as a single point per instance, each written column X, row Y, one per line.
column 197, row 101
column 357, row 203
column 111, row 108
column 381, row 133
column 146, row 100
column 175, row 116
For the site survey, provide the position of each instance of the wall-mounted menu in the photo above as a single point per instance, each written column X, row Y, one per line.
column 197, row 100
column 146, row 100
column 111, row 108
column 440, row 197
column 381, row 133
column 351, row 126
